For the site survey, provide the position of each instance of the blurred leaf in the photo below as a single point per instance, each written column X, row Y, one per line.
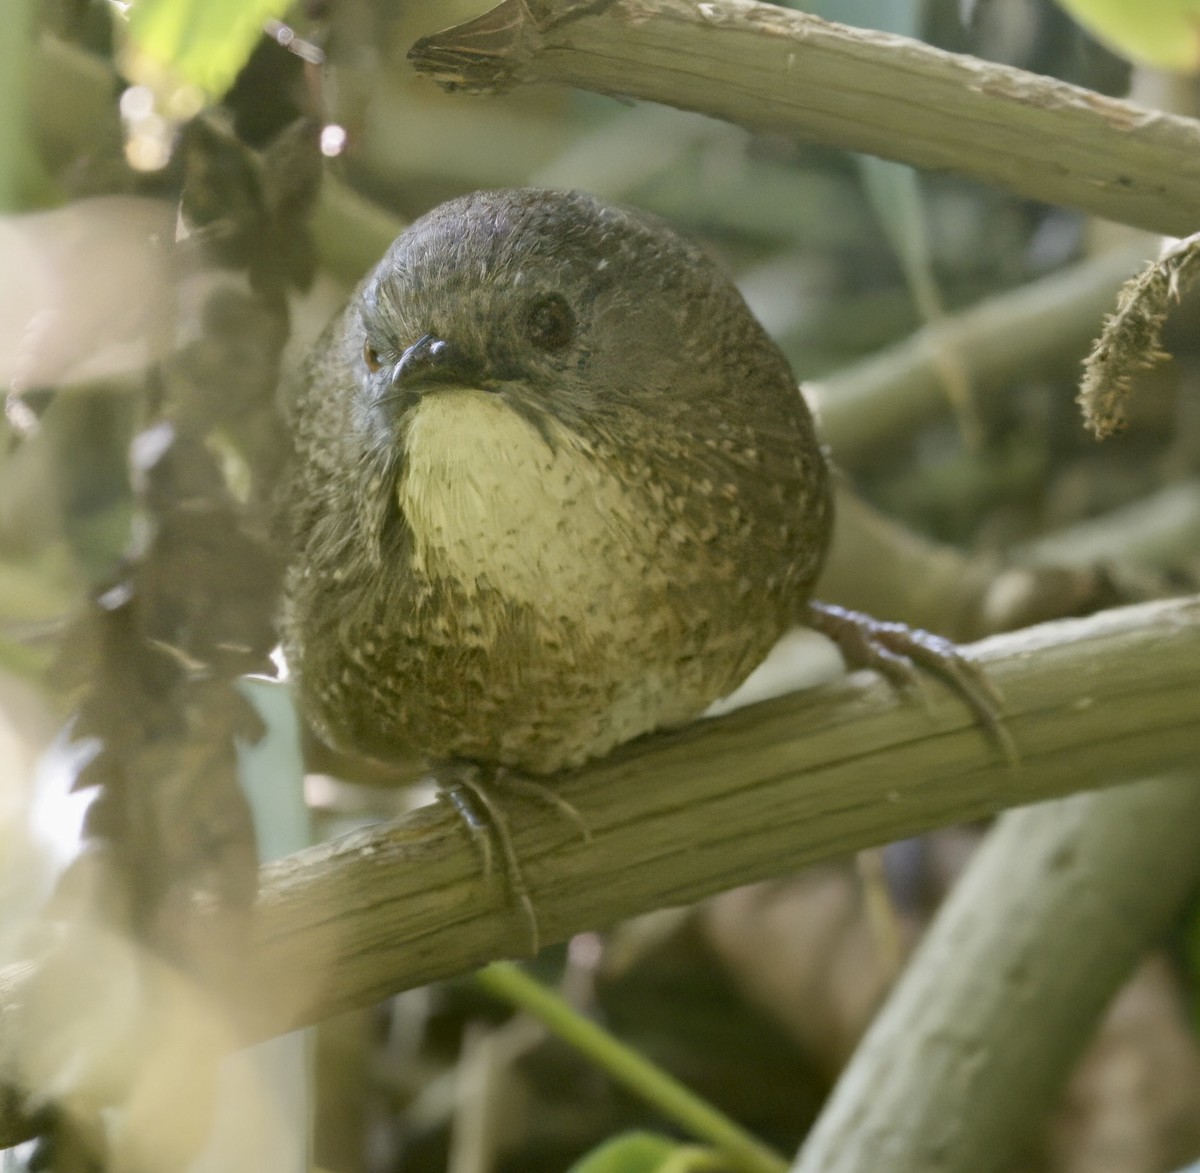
column 894, row 193
column 646, row 1152
column 200, row 43
column 1162, row 33
column 25, row 182
column 1192, row 962
column 264, row 1093
column 893, row 189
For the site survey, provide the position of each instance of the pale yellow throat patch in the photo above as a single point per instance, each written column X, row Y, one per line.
column 490, row 503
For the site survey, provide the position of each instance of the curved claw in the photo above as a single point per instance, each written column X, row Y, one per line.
column 474, row 791
column 487, row 825
column 896, row 651
column 533, row 791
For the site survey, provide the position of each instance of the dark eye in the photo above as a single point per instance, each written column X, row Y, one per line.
column 371, row 357
column 549, row 323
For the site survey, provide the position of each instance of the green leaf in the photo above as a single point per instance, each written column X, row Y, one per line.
column 646, row 1152
column 1162, row 33
column 197, row 43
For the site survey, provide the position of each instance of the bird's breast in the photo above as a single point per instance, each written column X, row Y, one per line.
column 496, row 503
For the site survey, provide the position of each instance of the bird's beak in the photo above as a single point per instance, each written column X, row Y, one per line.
column 430, row 362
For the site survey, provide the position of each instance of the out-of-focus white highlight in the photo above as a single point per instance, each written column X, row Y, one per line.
column 56, row 812
column 333, row 140
column 148, row 144
column 137, row 102
column 151, row 116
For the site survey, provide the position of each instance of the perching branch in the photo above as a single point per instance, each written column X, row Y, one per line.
column 759, row 793
column 676, row 817
column 773, row 69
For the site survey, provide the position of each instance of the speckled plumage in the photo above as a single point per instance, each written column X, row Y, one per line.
column 539, row 551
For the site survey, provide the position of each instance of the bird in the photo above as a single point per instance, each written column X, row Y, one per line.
column 552, row 487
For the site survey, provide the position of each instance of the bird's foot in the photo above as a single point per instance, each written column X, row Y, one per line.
column 896, row 651
column 477, row 793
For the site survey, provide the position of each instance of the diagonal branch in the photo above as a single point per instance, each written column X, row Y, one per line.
column 971, row 1048
column 773, row 69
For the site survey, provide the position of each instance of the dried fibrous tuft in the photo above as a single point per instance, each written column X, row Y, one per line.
column 1132, row 337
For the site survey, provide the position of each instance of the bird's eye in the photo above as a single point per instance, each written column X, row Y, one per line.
column 371, row 357
column 549, row 322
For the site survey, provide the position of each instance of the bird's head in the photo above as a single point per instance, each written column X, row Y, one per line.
column 563, row 306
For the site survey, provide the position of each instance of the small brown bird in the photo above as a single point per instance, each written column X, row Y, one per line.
column 553, row 488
